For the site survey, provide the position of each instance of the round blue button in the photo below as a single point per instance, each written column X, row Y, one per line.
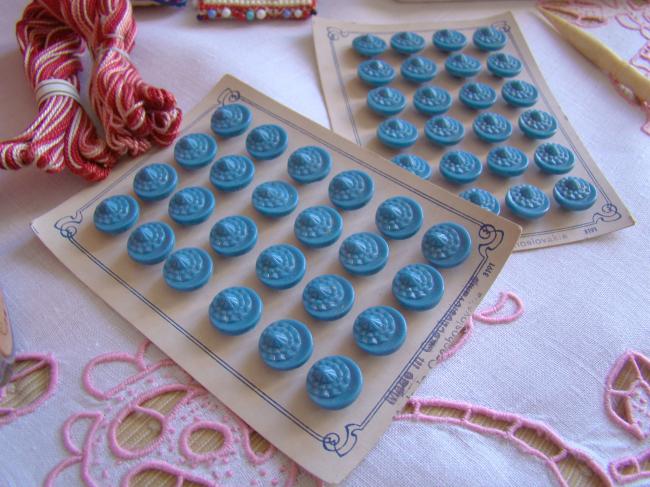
column 444, row 130
column 527, row 201
column 554, row 158
column 482, row 198
column 266, row 142
column 376, row 72
column 519, row 93
column 285, row 344
column 418, row 287
column 231, row 120
column 151, row 243
column 280, row 266
column 232, row 173
column 309, row 164
column 460, row 167
column 397, row 133
column 386, row 101
column 399, row 217
column 379, row 330
column 351, row 189
column 363, row 253
column 492, row 127
column 328, row 297
column 449, row 40
column 462, row 65
column 155, row 182
column 318, row 226
column 537, row 124
column 432, row 100
column 477, row 95
column 275, row 198
column 116, row 214
column 194, row 151
column 407, row 42
column 446, row 245
column 413, row 164
column 369, row 45
column 507, row 161
column 418, row 69
column 334, row 382
column 191, row 206
column 504, row 65
column 235, row 310
column 187, row 269
column 489, row 39
column 233, row 235
column 574, row 193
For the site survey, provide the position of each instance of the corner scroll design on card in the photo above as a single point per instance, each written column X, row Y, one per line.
column 68, row 225
column 335, row 33
column 608, row 213
column 332, row 441
column 228, row 96
column 490, row 239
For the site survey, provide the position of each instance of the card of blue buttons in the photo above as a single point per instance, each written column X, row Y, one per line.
column 379, row 330
column 334, row 382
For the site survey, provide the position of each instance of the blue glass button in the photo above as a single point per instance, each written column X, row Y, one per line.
column 462, row 65
column 379, row 330
column 328, row 297
column 418, row 69
column 399, row 217
column 397, row 133
column 519, row 93
column 554, row 158
column 432, row 100
column 155, row 182
column 527, row 201
column 449, row 40
column 235, row 310
column 504, row 65
column 285, row 344
column 574, row 193
column 231, row 120
column 444, row 130
column 369, row 45
column 232, row 173
column 376, row 72
column 309, row 164
column 363, row 253
column 407, row 42
column 537, row 124
column 318, row 226
column 151, row 243
column 477, row 95
column 233, row 235
column 350, row 190
column 446, row 245
column 266, row 142
column 334, row 382
column 418, row 287
column 460, row 167
column 489, row 39
column 482, row 198
column 492, row 127
column 413, row 164
column 507, row 161
column 280, row 266
column 386, row 101
column 116, row 214
column 194, row 151
column 275, row 198
column 191, row 206
column 187, row 269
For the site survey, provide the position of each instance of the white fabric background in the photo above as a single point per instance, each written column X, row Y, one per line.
column 586, row 303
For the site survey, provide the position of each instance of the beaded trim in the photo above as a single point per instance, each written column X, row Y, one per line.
column 250, row 10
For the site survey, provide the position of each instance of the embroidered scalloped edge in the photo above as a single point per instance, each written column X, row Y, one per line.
column 616, row 468
column 194, row 457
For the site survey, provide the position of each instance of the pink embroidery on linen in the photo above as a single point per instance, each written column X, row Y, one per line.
column 220, row 428
column 251, row 455
column 9, row 414
column 467, row 414
column 631, row 469
column 487, row 316
column 181, row 477
column 628, row 405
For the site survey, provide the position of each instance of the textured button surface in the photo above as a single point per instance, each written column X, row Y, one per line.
column 318, row 226
column 116, row 214
column 504, row 65
column 231, row 120
column 266, row 141
column 418, row 287
column 194, row 151
column 537, row 124
column 527, row 201
column 328, row 297
column 449, row 40
column 507, row 161
column 187, row 269
column 418, row 69
column 191, row 206
column 397, row 133
column 482, row 198
column 351, row 189
column 155, row 182
column 275, row 198
column 444, row 130
column 462, row 65
column 460, row 167
column 379, row 330
column 413, row 164
column 446, row 245
column 554, row 158
column 376, row 72
column 281, row 266
column 574, row 193
column 233, row 235
column 285, row 344
column 309, row 164
column 386, row 101
column 477, row 95
column 519, row 93
column 399, row 217
column 489, row 39
column 407, row 42
column 235, row 310
column 363, row 253
column 432, row 100
column 334, row 382
column 232, row 173
column 492, row 127
column 151, row 243
column 369, row 45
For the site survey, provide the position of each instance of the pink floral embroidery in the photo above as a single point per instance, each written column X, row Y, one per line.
column 9, row 414
column 630, row 469
column 220, row 428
